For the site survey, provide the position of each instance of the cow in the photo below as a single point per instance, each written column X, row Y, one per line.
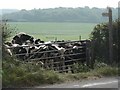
column 38, row 41
column 15, row 49
column 26, row 48
column 7, row 46
column 73, row 54
column 22, row 38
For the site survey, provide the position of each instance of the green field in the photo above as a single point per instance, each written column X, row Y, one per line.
column 49, row 30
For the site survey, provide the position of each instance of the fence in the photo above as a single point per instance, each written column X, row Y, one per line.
column 59, row 61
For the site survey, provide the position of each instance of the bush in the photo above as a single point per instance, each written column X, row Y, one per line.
column 79, row 67
column 17, row 74
column 104, row 69
column 107, row 71
column 100, row 38
column 99, row 64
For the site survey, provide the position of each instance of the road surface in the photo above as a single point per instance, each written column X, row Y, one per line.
column 109, row 82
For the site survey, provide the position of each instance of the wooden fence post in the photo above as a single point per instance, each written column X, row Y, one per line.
column 92, row 54
column 88, row 53
column 46, row 63
column 63, row 63
column 52, row 64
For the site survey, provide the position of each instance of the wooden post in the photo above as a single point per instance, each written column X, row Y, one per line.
column 55, row 38
column 46, row 61
column 110, row 36
column 92, row 54
column 80, row 38
column 109, row 14
column 52, row 64
column 87, row 53
column 63, row 63
column 1, row 49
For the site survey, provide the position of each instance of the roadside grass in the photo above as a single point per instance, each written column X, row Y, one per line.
column 81, row 71
column 92, row 74
column 17, row 74
column 107, row 71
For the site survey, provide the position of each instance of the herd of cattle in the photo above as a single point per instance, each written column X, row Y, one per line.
column 25, row 47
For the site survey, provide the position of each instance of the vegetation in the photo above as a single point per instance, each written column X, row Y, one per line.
column 84, row 15
column 79, row 67
column 100, row 38
column 93, row 74
column 6, row 11
column 18, row 74
column 7, row 31
column 23, row 74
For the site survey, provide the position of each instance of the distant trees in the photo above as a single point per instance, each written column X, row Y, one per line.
column 60, row 14
column 100, row 38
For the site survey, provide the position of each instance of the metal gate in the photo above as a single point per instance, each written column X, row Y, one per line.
column 59, row 61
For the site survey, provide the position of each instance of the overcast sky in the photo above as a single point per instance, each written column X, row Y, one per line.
column 30, row 4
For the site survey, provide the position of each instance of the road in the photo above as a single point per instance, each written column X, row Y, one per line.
column 109, row 82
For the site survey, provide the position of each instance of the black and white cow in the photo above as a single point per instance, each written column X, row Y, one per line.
column 22, row 38
column 15, row 49
column 26, row 47
column 20, row 44
column 38, row 41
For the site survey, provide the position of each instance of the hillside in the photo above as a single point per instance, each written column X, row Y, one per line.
column 84, row 15
column 7, row 11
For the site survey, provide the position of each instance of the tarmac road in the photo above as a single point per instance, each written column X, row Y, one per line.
column 108, row 82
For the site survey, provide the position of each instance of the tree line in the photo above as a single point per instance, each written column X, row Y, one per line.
column 80, row 14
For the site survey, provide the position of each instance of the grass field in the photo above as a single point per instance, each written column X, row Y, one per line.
column 49, row 30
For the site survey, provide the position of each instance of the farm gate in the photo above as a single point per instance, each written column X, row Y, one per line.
column 60, row 61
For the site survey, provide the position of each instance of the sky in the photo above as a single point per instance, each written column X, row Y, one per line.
column 31, row 4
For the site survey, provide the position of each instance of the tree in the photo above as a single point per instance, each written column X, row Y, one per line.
column 100, row 38
column 6, row 32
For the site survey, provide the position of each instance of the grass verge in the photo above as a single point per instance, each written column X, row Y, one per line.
column 106, row 71
column 17, row 74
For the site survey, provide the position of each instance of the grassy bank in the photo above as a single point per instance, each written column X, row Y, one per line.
column 19, row 74
column 93, row 74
